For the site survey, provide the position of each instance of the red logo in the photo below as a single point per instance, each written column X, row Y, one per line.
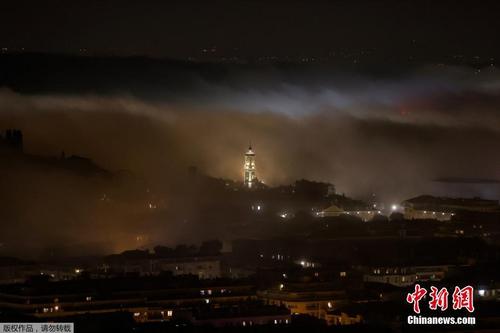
column 415, row 298
column 439, row 299
column 462, row 298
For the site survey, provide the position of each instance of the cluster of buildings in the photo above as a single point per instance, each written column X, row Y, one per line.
column 147, row 299
column 423, row 207
column 215, row 302
column 406, row 276
column 261, row 282
column 204, row 267
column 317, row 300
column 334, row 295
column 335, row 211
column 443, row 209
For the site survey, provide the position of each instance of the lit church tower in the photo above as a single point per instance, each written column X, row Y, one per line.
column 249, row 168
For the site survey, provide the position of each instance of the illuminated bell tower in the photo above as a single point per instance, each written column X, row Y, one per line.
column 249, row 168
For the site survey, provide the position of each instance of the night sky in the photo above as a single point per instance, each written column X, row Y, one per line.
column 373, row 30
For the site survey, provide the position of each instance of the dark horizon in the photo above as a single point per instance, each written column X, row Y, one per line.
column 178, row 29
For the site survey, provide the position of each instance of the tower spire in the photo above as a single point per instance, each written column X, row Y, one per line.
column 249, row 177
